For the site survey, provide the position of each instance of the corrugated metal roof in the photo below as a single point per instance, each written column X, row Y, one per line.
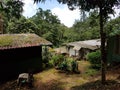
column 8, row 41
column 77, row 47
column 90, row 44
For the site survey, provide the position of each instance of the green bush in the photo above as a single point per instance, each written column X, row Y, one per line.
column 55, row 60
column 95, row 60
column 46, row 56
column 63, row 65
column 68, row 64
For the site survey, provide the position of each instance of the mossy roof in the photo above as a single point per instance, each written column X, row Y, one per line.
column 8, row 41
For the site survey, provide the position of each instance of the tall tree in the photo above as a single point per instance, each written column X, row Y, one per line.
column 87, row 29
column 105, row 8
column 22, row 25
column 12, row 8
column 49, row 26
column 9, row 9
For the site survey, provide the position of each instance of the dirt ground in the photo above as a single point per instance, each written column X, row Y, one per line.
column 53, row 79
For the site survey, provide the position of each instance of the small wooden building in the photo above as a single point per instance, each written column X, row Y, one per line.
column 20, row 53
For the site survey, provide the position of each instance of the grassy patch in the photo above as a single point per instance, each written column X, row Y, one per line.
column 67, row 80
column 90, row 72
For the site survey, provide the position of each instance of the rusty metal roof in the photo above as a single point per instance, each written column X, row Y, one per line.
column 8, row 41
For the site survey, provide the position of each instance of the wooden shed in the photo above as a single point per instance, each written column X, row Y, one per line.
column 20, row 53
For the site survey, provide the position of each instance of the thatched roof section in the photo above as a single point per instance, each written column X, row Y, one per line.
column 8, row 41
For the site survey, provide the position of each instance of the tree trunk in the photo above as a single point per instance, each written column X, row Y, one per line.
column 103, row 51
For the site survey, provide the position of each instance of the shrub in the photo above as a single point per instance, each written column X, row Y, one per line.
column 74, row 66
column 46, row 56
column 55, row 60
column 95, row 60
column 63, row 65
column 68, row 64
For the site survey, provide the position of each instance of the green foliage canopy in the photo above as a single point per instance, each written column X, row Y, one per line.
column 12, row 8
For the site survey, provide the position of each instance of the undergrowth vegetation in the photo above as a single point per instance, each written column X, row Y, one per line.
column 94, row 59
column 68, row 64
column 64, row 63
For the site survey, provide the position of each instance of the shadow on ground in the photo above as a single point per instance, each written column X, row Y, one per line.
column 50, row 85
column 12, row 85
column 110, row 85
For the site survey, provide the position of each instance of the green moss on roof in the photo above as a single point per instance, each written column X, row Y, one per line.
column 7, row 41
column 21, row 40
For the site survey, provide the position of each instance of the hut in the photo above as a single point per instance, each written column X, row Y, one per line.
column 20, row 53
column 81, row 48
